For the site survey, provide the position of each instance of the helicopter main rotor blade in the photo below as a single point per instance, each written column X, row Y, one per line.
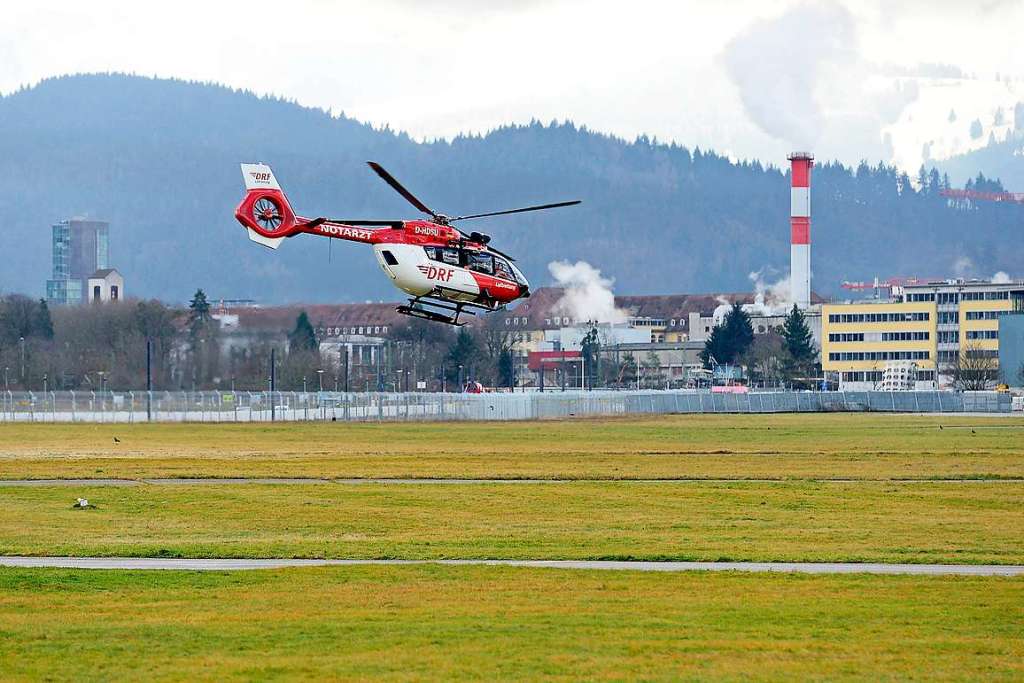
column 523, row 210
column 409, row 196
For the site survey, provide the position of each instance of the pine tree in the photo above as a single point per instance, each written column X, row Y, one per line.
column 716, row 348
column 42, row 325
column 799, row 340
column 303, row 337
column 741, row 331
column 730, row 340
column 976, row 129
column 462, row 352
column 922, row 180
column 199, row 312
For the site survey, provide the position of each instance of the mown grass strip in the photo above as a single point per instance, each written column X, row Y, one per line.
column 949, row 523
column 807, row 446
column 488, row 623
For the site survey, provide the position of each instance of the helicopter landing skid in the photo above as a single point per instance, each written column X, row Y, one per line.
column 434, row 310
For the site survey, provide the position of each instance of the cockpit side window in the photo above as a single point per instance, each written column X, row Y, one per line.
column 483, row 263
column 502, row 269
column 450, row 256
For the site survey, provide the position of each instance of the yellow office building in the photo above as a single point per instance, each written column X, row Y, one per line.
column 858, row 340
column 928, row 324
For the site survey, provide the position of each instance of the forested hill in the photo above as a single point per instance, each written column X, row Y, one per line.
column 159, row 160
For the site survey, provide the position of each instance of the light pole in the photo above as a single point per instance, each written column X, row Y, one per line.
column 320, row 378
column 583, row 370
column 21, row 340
column 345, row 349
column 6, row 383
column 461, row 383
column 303, row 384
column 44, row 382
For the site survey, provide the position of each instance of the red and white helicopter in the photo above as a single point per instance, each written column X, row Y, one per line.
column 443, row 269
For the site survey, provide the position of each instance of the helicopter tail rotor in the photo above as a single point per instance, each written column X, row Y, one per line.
column 265, row 212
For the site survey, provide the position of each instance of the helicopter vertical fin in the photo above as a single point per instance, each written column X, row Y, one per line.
column 259, row 177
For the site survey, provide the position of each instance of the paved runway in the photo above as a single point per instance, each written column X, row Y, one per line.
column 784, row 567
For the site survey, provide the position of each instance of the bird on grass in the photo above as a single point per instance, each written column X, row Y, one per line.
column 117, row 440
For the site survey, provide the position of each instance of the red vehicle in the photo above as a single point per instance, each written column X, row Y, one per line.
column 444, row 270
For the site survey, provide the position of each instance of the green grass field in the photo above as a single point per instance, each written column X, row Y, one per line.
column 935, row 522
column 858, row 446
column 840, row 487
column 488, row 623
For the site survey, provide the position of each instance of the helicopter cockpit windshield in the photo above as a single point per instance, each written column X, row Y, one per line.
column 479, row 261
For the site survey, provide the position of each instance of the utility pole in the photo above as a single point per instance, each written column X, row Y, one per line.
column 563, row 369
column 149, row 380
column 583, row 371
column 380, row 368
column 273, row 382
column 344, row 349
column 21, row 340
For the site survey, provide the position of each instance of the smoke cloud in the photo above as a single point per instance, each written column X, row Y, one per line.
column 588, row 294
column 963, row 266
column 770, row 299
column 802, row 80
column 1001, row 278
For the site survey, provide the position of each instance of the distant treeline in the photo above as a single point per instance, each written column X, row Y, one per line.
column 159, row 160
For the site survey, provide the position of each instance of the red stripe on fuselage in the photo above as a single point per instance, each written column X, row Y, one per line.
column 497, row 288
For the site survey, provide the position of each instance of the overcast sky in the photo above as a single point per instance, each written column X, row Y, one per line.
column 749, row 78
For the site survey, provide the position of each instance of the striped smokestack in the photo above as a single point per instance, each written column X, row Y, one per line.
column 800, row 228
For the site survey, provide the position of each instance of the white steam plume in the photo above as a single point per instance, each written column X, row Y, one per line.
column 588, row 294
column 963, row 266
column 802, row 78
column 1001, row 278
column 770, row 299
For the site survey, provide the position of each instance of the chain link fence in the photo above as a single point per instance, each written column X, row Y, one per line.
column 285, row 406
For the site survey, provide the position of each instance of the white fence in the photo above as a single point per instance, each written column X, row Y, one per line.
column 220, row 406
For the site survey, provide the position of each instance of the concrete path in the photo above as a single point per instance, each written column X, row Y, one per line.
column 298, row 481
column 790, row 567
